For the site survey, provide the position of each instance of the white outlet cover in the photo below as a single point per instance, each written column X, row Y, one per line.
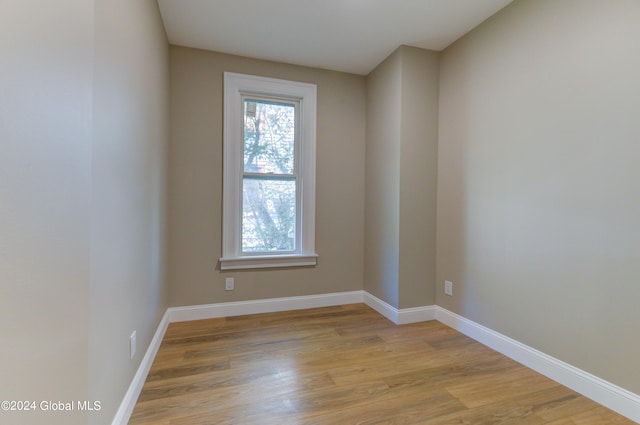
column 229, row 284
column 448, row 288
column 132, row 344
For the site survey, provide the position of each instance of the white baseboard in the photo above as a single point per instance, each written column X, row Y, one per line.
column 403, row 316
column 381, row 307
column 605, row 393
column 129, row 402
column 416, row 314
column 239, row 308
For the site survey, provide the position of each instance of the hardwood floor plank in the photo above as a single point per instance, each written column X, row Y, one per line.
column 192, row 384
column 345, row 365
column 600, row 415
column 485, row 389
column 412, row 409
column 520, row 409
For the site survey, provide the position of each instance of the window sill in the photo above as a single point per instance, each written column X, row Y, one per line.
column 268, row 261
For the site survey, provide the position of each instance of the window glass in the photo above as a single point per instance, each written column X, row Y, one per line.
column 269, row 136
column 268, row 215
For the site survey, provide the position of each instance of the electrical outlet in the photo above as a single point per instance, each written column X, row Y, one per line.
column 132, row 344
column 448, row 288
column 229, row 284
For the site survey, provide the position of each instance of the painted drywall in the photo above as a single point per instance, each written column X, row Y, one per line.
column 45, row 194
column 538, row 180
column 128, row 289
column 195, row 183
column 401, row 178
column 418, row 176
column 382, row 213
column 83, row 135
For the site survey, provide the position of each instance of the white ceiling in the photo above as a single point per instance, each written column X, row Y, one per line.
column 344, row 35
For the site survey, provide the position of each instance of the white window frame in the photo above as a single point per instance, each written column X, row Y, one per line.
column 235, row 86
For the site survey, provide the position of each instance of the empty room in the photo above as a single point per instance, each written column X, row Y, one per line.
column 331, row 212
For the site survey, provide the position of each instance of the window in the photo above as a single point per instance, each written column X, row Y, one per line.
column 269, row 173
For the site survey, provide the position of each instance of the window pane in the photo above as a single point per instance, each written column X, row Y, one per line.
column 268, row 215
column 269, row 135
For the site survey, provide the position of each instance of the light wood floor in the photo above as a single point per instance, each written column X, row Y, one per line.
column 345, row 365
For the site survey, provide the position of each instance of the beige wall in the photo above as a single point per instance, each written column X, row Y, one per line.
column 128, row 289
column 195, row 183
column 538, row 180
column 83, row 134
column 418, row 176
column 382, row 235
column 45, row 184
column 401, row 178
